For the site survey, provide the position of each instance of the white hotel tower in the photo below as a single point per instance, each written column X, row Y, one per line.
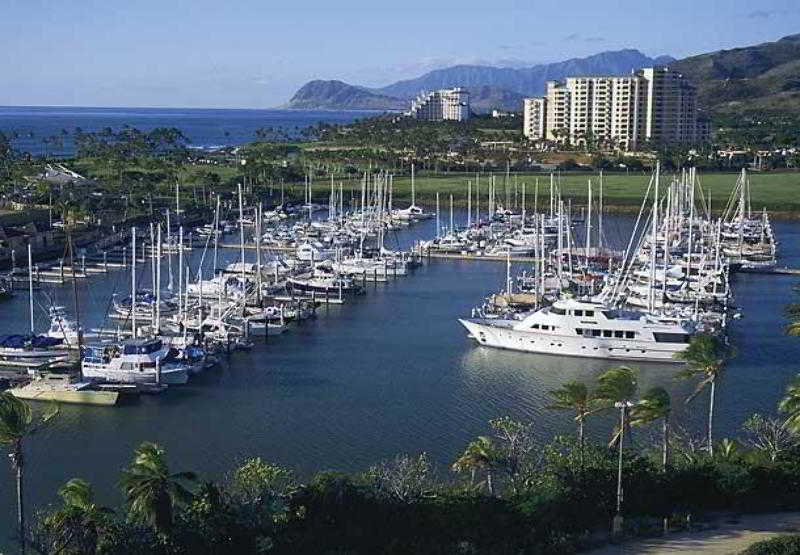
column 444, row 104
column 653, row 104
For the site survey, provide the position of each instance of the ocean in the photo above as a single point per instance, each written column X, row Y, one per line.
column 49, row 129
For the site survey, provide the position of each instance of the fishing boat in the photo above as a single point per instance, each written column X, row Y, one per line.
column 577, row 328
column 63, row 388
column 65, row 329
column 134, row 361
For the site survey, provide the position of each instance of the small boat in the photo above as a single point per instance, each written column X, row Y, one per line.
column 145, row 305
column 134, row 361
column 61, row 327
column 328, row 285
column 30, row 351
column 63, row 388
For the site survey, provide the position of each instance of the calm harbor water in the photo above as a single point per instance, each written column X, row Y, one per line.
column 203, row 126
column 391, row 372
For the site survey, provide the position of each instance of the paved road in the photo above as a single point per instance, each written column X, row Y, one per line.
column 728, row 538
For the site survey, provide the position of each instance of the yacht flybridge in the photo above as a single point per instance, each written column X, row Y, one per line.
column 571, row 327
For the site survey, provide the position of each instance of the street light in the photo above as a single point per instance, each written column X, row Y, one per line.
column 623, row 406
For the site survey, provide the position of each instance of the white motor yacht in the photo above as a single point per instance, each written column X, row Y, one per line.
column 584, row 329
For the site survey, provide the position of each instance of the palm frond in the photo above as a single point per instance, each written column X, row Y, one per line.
column 616, row 385
column 15, row 418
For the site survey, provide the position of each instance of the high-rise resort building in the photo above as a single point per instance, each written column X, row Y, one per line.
column 444, row 104
column 653, row 104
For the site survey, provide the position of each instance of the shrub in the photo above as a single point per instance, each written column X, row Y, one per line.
column 781, row 545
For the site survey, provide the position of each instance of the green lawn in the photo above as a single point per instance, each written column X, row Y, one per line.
column 778, row 192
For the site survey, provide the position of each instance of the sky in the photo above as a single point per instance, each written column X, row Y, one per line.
column 256, row 53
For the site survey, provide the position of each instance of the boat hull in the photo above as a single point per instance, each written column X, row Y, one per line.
column 97, row 398
column 502, row 337
column 169, row 376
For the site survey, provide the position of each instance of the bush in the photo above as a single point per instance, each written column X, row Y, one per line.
column 782, row 545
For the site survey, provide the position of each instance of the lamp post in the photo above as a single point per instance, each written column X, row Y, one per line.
column 623, row 406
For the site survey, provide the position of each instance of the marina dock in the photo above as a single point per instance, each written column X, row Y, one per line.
column 479, row 257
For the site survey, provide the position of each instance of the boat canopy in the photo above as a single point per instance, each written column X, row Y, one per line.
column 35, row 341
column 142, row 347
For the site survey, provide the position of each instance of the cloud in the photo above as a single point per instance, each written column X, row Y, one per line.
column 767, row 14
column 578, row 36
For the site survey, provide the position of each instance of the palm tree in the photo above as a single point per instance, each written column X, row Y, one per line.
column 792, row 311
column 705, row 358
column 614, row 387
column 153, row 493
column 575, row 396
column 655, row 405
column 617, row 388
column 80, row 522
column 790, row 405
column 479, row 455
column 17, row 424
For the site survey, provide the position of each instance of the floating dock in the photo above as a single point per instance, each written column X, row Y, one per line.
column 479, row 257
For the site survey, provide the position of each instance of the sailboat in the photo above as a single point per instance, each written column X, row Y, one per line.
column 30, row 350
column 413, row 212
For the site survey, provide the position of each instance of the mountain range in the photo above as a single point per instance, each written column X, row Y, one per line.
column 489, row 87
column 760, row 76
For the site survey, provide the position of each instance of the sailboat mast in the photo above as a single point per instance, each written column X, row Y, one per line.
column 30, row 283
column 216, row 239
column 157, row 311
column 133, row 282
column 241, row 231
column 413, row 197
column 589, row 222
column 438, row 224
column 258, row 251
column 452, row 228
column 600, row 215
column 469, row 204
column 180, row 273
column 75, row 299
column 654, row 243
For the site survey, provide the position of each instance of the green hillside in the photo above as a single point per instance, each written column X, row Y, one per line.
column 760, row 77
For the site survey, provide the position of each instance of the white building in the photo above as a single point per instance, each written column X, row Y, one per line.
column 444, row 104
column 534, row 114
column 652, row 104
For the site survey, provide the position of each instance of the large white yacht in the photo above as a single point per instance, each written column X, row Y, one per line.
column 584, row 329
